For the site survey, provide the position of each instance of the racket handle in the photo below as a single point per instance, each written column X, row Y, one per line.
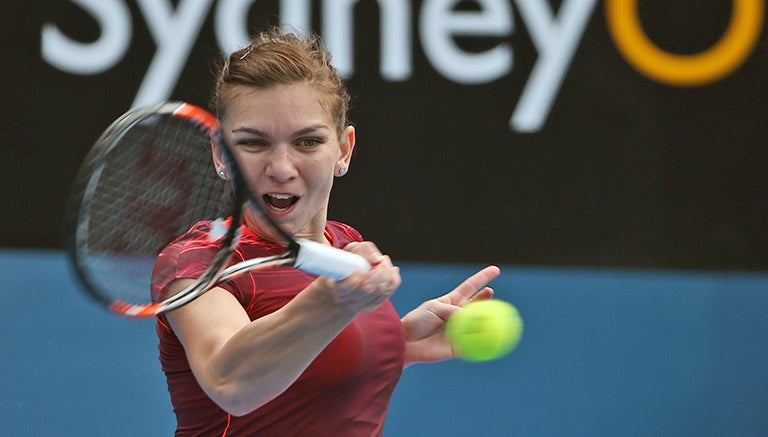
column 321, row 260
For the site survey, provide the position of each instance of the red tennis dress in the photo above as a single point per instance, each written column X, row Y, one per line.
column 344, row 391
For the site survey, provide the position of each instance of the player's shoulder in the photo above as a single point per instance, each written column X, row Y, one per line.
column 342, row 233
column 195, row 237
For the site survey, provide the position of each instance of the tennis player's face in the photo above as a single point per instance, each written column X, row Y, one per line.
column 289, row 150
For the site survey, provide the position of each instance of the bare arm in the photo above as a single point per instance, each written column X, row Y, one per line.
column 243, row 364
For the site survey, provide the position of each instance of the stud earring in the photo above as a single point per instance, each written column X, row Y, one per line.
column 342, row 171
column 222, row 175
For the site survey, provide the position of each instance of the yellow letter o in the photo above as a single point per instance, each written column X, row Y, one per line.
column 726, row 55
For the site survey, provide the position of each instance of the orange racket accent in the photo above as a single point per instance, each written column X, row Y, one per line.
column 200, row 115
column 136, row 311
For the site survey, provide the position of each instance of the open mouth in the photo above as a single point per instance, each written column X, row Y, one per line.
column 279, row 202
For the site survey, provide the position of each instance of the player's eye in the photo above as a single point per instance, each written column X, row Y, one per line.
column 251, row 143
column 309, row 142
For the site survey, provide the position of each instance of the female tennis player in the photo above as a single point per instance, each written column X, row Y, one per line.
column 278, row 351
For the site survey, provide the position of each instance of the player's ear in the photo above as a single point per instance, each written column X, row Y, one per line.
column 347, row 146
column 218, row 158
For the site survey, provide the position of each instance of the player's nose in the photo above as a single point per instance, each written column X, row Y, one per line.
column 280, row 165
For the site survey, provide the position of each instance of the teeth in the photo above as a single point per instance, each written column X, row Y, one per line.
column 279, row 201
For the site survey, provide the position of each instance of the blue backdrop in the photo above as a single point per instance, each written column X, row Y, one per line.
column 605, row 352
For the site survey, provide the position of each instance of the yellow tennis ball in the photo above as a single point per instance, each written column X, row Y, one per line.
column 484, row 330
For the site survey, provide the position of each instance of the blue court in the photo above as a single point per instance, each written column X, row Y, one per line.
column 605, row 352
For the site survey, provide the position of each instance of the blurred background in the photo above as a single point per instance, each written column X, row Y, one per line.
column 609, row 155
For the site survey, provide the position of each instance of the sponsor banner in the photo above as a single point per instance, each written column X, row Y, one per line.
column 617, row 133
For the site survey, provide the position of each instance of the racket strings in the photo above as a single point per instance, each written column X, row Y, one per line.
column 153, row 183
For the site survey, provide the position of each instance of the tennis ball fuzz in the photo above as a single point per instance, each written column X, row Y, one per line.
column 484, row 330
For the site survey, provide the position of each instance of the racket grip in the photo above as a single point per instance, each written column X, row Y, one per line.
column 321, row 260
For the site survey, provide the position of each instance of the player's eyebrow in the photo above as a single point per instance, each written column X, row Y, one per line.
column 310, row 129
column 250, row 130
column 302, row 131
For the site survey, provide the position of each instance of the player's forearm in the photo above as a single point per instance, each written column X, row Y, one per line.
column 266, row 356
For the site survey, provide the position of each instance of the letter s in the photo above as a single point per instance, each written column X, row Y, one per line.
column 114, row 20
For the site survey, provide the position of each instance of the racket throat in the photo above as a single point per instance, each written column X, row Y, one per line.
column 293, row 248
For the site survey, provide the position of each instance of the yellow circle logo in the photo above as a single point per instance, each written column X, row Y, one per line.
column 721, row 59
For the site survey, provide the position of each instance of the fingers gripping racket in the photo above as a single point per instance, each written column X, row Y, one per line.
column 148, row 179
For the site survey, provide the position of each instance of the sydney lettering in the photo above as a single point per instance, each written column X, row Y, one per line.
column 555, row 37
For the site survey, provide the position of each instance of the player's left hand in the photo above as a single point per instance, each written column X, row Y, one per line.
column 424, row 340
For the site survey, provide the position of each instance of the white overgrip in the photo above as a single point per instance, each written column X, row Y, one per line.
column 321, row 260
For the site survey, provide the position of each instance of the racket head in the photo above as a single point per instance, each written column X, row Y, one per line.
column 145, row 183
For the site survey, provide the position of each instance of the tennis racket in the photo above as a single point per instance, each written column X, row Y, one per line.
column 146, row 181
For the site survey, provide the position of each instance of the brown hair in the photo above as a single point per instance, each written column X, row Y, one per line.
column 275, row 58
